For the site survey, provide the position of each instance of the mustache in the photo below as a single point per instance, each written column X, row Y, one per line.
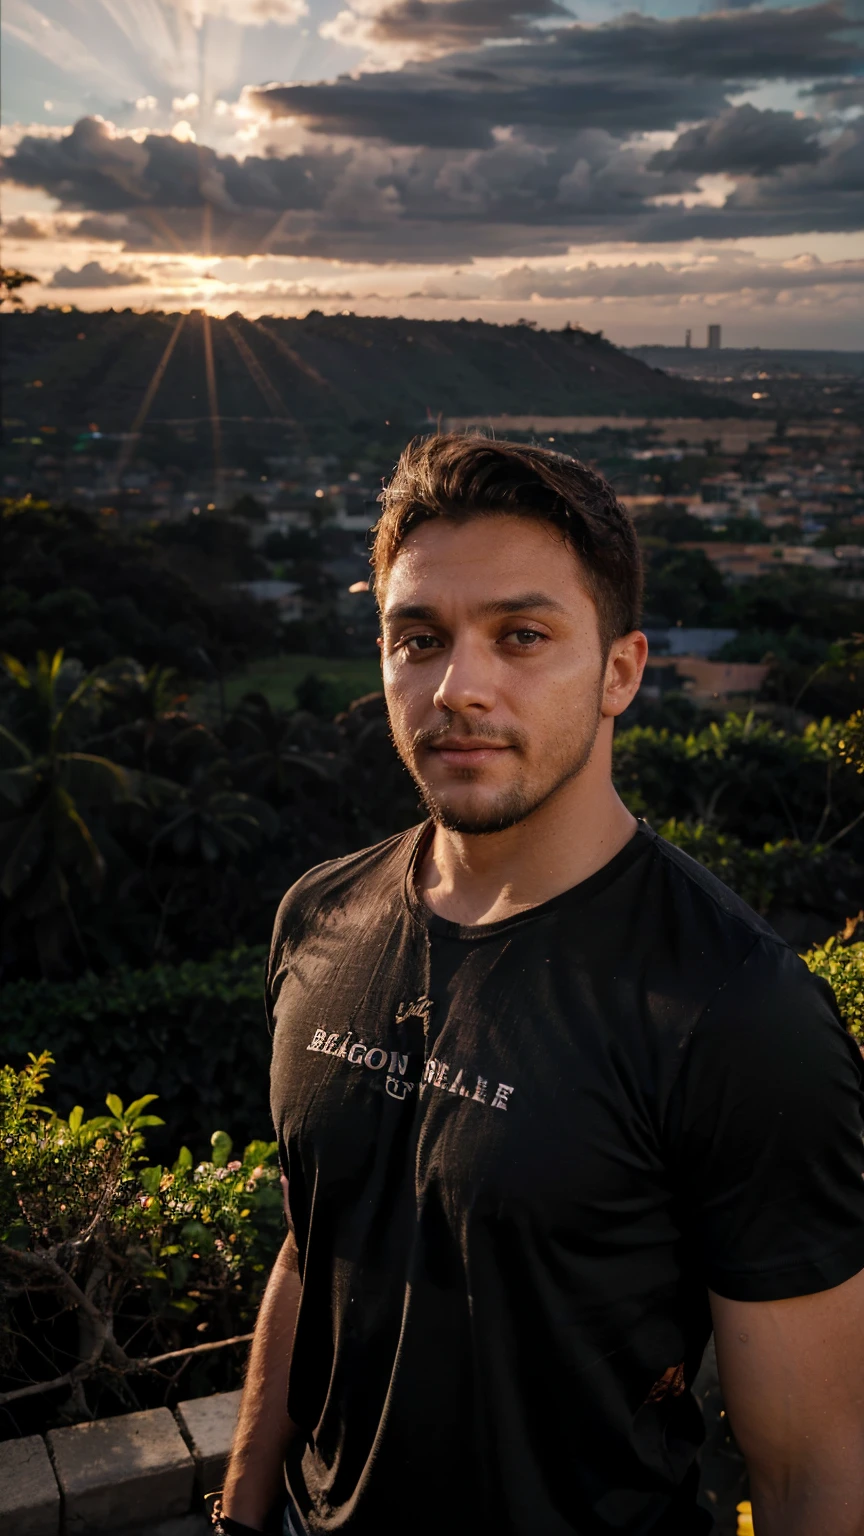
column 478, row 731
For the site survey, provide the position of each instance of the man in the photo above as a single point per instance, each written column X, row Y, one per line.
column 550, row 1099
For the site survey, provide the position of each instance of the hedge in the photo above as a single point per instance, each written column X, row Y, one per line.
column 195, row 1033
column 778, row 875
column 842, row 966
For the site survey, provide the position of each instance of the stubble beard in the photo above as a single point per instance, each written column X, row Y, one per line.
column 515, row 803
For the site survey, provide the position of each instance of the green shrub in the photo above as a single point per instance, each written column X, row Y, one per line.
column 778, row 875
column 196, row 1031
column 150, row 1258
column 749, row 779
column 842, row 966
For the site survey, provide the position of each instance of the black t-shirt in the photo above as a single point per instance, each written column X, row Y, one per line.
column 518, row 1156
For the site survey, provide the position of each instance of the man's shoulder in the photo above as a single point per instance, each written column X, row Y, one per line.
column 697, row 936
column 709, row 900
column 369, row 875
column 748, row 972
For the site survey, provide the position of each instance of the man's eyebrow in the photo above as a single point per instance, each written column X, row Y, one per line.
column 521, row 602
column 411, row 611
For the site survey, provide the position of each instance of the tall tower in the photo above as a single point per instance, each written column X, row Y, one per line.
column 714, row 338
column 688, row 338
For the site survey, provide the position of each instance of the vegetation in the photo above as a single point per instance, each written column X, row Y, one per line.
column 11, row 282
column 77, row 581
column 842, row 966
column 137, row 833
column 113, row 1269
column 195, row 1029
column 748, row 778
column 323, row 685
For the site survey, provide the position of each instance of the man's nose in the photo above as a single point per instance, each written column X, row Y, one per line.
column 468, row 682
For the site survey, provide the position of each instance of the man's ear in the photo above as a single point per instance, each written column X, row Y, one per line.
column 624, row 667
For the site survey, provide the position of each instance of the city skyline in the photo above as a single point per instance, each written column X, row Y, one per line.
column 645, row 173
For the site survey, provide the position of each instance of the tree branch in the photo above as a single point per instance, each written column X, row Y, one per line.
column 36, row 1387
column 62, row 1277
column 194, row 1349
column 128, row 1368
column 850, row 827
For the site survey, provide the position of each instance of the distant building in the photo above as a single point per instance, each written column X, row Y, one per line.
column 714, row 338
column 688, row 338
column 675, row 640
column 287, row 595
column 705, row 682
column 740, row 561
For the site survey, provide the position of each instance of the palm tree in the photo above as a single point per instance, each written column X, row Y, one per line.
column 268, row 755
column 50, row 795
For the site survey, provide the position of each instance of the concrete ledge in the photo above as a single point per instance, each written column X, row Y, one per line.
column 29, row 1496
column 116, row 1474
column 208, row 1425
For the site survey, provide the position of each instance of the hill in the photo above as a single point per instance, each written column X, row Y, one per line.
column 73, row 369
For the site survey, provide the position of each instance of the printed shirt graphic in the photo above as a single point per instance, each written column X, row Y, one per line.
column 517, row 1156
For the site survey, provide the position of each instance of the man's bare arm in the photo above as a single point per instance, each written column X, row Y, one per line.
column 264, row 1430
column 792, row 1374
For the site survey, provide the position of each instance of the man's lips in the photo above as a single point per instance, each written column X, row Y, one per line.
column 467, row 752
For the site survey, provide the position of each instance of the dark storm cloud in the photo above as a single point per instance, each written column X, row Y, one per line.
column 429, row 205
column 836, row 95
column 23, row 229
column 94, row 169
column 450, row 24
column 746, row 141
column 460, row 108
column 94, row 275
column 634, row 74
column 732, row 5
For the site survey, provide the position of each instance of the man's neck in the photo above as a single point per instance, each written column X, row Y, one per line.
column 483, row 879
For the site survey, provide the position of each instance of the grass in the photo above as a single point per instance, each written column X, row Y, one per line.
column 342, row 679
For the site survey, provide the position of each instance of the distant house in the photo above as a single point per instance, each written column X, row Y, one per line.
column 678, row 641
column 741, row 561
column 287, row 595
column 705, row 682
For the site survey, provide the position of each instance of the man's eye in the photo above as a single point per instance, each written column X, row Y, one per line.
column 526, row 638
column 421, row 642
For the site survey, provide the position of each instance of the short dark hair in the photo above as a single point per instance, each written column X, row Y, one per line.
column 461, row 475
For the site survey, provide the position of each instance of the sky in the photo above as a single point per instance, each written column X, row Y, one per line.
column 637, row 171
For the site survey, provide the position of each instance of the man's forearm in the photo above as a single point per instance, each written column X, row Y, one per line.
column 264, row 1431
column 809, row 1507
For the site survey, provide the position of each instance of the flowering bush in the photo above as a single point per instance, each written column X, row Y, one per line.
column 145, row 1256
column 842, row 966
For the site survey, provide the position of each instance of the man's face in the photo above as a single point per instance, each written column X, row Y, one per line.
column 493, row 669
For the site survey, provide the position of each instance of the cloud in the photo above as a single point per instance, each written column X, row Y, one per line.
column 96, row 168
column 730, row 274
column 94, row 275
column 837, row 95
column 744, row 140
column 517, row 150
column 394, row 29
column 23, row 228
column 379, row 203
column 634, row 74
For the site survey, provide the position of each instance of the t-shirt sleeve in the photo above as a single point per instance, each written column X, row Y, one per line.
column 767, row 1134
